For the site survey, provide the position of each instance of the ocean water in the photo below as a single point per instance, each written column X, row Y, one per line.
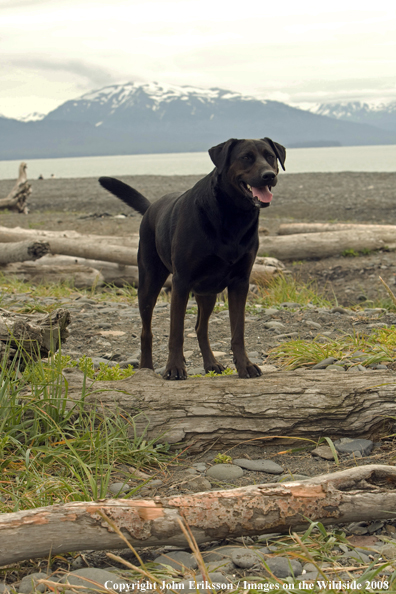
column 299, row 160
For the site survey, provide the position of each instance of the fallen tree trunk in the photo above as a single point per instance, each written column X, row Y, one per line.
column 34, row 334
column 77, row 275
column 20, row 234
column 229, row 410
column 16, row 199
column 356, row 494
column 305, row 246
column 387, row 232
column 22, row 251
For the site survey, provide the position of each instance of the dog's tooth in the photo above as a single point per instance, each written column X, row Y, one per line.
column 249, row 187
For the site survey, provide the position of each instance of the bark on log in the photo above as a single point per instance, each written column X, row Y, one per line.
column 305, row 246
column 36, row 334
column 22, row 251
column 77, row 275
column 387, row 232
column 356, row 494
column 16, row 199
column 229, row 410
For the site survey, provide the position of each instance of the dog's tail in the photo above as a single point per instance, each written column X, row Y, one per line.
column 131, row 197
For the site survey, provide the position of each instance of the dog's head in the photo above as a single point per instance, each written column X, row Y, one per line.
column 249, row 168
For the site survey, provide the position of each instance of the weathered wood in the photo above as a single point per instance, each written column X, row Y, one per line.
column 77, row 275
column 387, row 232
column 356, row 494
column 16, row 199
column 8, row 234
column 306, row 246
column 229, row 410
column 36, row 334
column 22, row 251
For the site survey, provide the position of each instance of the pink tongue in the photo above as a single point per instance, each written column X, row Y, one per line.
column 263, row 194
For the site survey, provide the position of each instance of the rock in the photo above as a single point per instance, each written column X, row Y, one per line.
column 335, row 368
column 28, row 583
column 218, row 580
column 224, row 472
column 364, row 446
column 312, row 324
column 283, row 567
column 357, row 556
column 178, row 560
column 199, row 484
column 118, row 488
column 270, row 311
column 339, row 310
column 273, row 325
column 219, row 554
column 388, row 551
column 259, row 465
column 224, row 567
column 200, row 466
column 245, row 558
column 323, row 452
column 6, row 588
column 100, row 576
column 323, row 364
column 291, row 304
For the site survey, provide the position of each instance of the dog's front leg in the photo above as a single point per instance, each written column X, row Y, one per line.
column 237, row 294
column 175, row 367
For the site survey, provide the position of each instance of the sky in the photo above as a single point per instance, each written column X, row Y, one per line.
column 298, row 52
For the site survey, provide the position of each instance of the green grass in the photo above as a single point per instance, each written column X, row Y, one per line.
column 53, row 450
column 379, row 346
column 286, row 288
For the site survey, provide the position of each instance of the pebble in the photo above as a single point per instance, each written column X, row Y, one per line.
column 273, row 325
column 364, row 446
column 323, row 452
column 324, row 363
column 224, row 472
column 118, row 488
column 28, row 583
column 339, row 310
column 291, row 304
column 388, row 551
column 271, row 311
column 259, row 465
column 178, row 560
column 283, row 567
column 199, row 484
column 100, row 576
column 200, row 466
column 244, row 558
column 335, row 368
column 219, row 553
column 312, row 324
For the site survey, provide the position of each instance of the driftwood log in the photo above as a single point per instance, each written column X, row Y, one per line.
column 387, row 232
column 228, row 410
column 20, row 234
column 76, row 275
column 34, row 334
column 306, row 246
column 356, row 494
column 22, row 251
column 17, row 198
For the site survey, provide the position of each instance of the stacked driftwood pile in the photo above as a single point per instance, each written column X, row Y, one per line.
column 86, row 260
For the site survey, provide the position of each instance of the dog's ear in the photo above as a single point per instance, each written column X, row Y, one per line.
column 220, row 153
column 279, row 151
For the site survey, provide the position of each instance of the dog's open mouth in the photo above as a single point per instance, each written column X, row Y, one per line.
column 263, row 195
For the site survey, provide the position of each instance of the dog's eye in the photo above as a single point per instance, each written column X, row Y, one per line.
column 247, row 157
column 270, row 158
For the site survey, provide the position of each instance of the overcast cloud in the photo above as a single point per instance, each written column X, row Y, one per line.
column 296, row 52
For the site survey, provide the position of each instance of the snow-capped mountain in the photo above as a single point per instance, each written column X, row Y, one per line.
column 154, row 118
column 380, row 114
column 35, row 116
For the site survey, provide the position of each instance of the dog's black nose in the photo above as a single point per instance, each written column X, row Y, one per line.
column 268, row 177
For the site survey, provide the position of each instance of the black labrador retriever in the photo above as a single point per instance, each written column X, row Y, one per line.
column 207, row 238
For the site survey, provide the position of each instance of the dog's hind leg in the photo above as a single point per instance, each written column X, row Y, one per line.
column 237, row 294
column 152, row 276
column 206, row 304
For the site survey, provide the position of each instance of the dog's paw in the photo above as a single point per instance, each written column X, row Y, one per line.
column 216, row 367
column 251, row 370
column 175, row 372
